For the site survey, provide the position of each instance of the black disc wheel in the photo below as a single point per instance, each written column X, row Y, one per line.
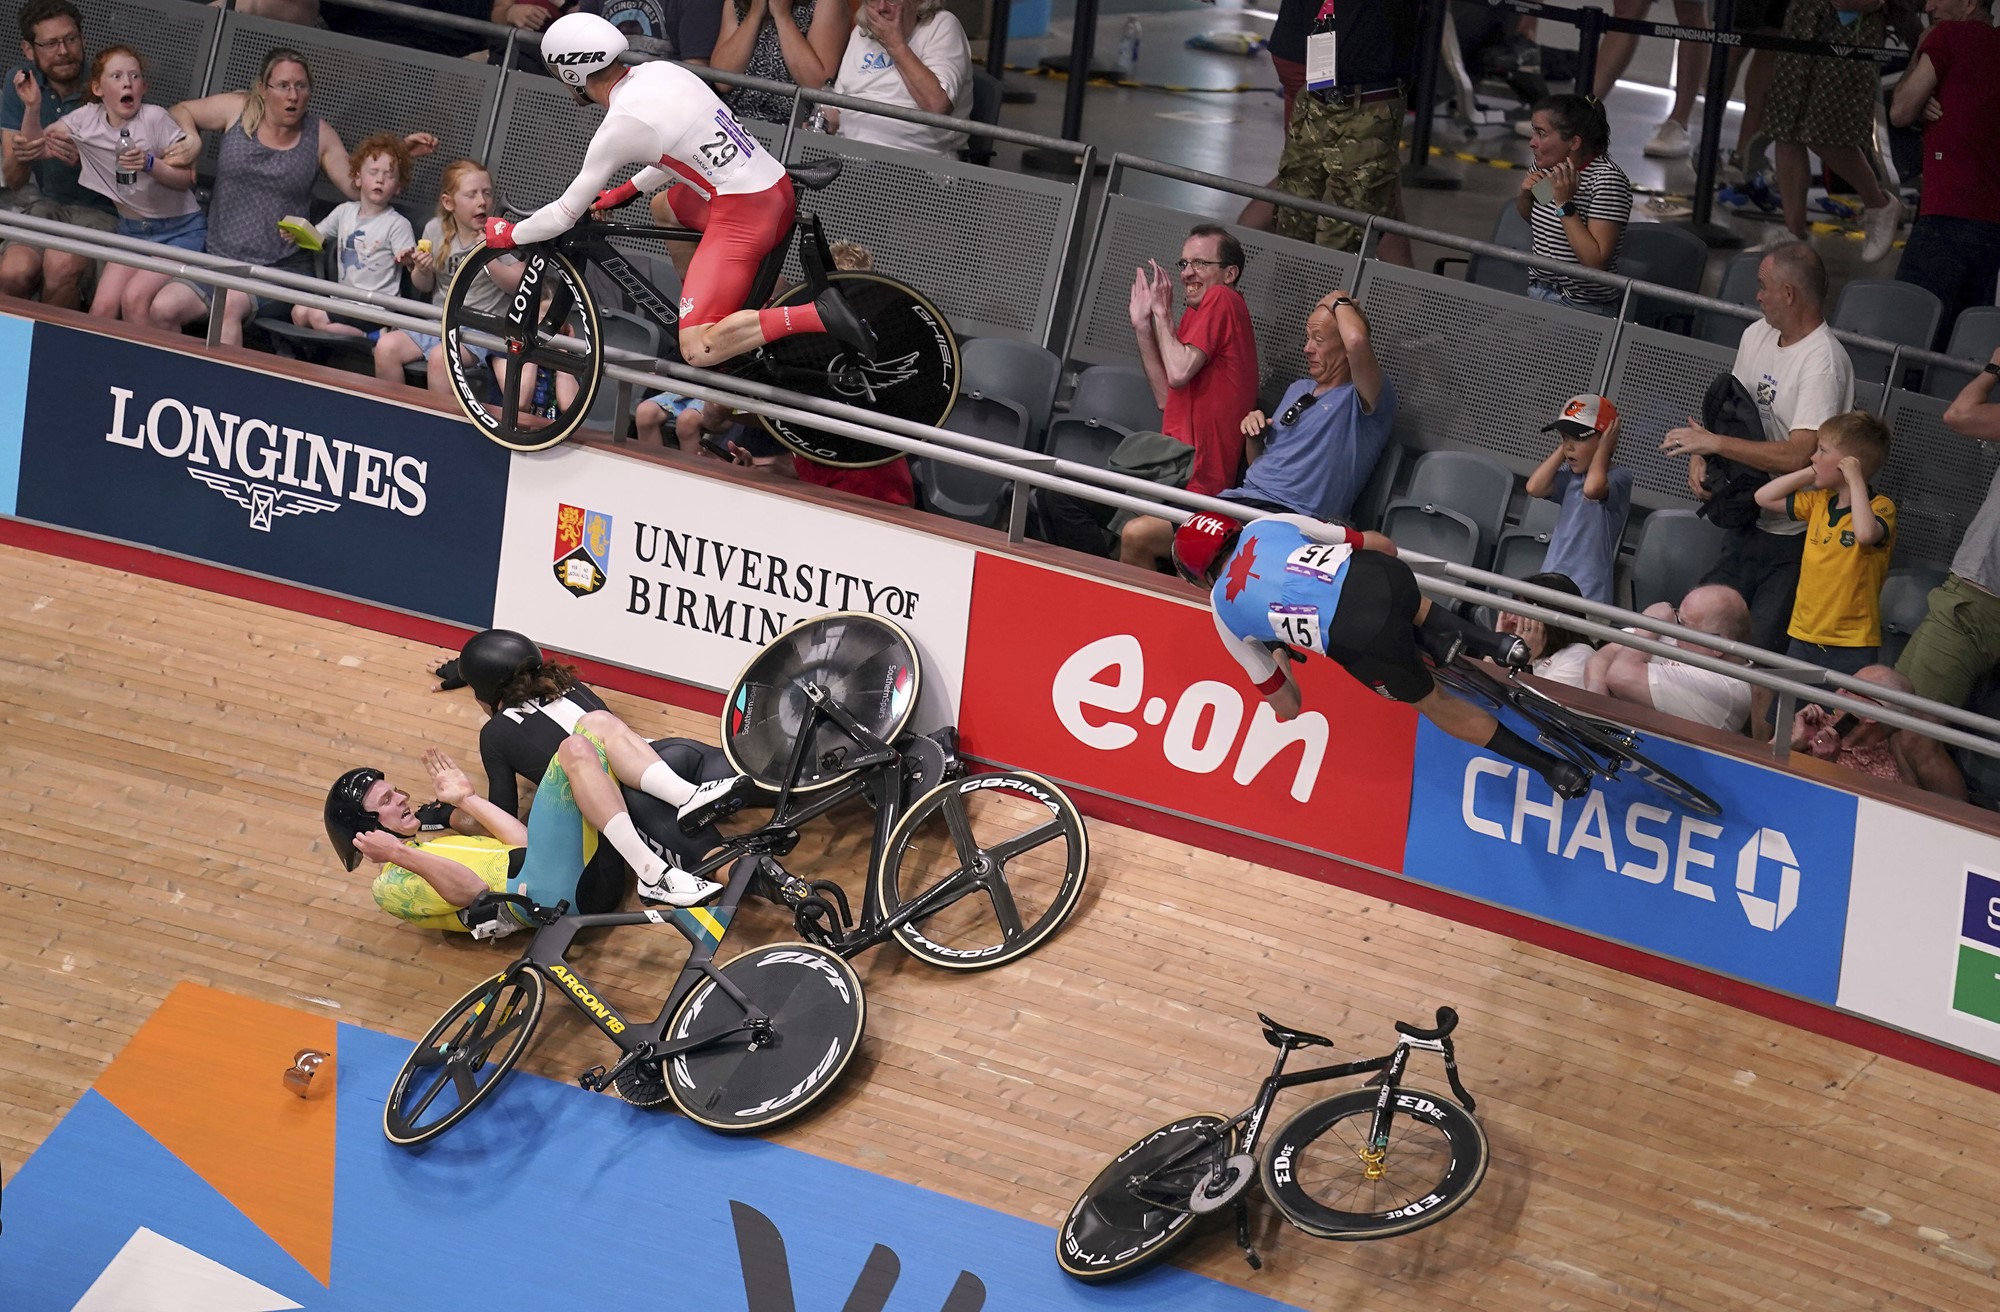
column 1608, row 749
column 1137, row 1211
column 983, row 870
column 867, row 665
column 744, row 1077
column 537, row 391
column 464, row 1057
column 1330, row 1180
column 913, row 376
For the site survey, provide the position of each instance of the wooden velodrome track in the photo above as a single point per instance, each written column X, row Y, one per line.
column 166, row 755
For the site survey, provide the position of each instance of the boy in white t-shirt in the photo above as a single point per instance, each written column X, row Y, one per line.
column 371, row 240
column 911, row 53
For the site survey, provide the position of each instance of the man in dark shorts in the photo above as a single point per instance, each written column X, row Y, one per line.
column 1288, row 584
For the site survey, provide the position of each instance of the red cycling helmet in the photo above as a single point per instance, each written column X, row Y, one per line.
column 1201, row 542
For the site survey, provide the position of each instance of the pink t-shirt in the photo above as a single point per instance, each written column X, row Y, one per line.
column 153, row 129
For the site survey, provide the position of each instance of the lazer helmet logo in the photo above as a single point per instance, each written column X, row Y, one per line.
column 571, row 58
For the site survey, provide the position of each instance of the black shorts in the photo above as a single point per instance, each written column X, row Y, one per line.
column 1373, row 631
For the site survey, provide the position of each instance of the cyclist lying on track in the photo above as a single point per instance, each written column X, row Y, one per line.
column 735, row 194
column 429, row 881
column 1288, row 582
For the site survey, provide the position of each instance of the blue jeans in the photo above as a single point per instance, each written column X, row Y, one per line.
column 1542, row 291
column 1957, row 260
column 189, row 232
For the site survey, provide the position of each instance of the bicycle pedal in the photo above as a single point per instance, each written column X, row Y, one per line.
column 592, row 1079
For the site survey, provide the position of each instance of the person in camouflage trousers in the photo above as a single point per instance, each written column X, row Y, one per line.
column 1344, row 154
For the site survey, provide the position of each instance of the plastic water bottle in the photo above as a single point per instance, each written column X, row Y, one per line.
column 1128, row 47
column 125, row 177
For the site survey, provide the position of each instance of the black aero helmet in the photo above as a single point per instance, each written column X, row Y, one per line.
column 348, row 815
column 487, row 662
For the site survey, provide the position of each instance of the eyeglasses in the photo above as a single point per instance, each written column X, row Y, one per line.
column 1296, row 408
column 70, row 42
column 1185, row 265
column 286, row 88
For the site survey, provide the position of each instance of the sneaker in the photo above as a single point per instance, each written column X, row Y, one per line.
column 1880, row 225
column 1669, row 142
column 1779, row 235
column 676, row 887
column 718, row 799
column 1569, row 782
column 845, row 325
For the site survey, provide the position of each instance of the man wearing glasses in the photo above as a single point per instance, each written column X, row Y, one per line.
column 1331, row 426
column 51, row 84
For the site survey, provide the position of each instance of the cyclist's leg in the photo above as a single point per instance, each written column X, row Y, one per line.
column 634, row 762
column 737, row 233
column 1442, row 628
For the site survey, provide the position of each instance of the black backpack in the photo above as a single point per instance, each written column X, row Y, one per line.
column 1729, row 410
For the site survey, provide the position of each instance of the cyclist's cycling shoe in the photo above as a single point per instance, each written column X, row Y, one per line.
column 677, row 888
column 845, row 325
column 715, row 800
column 1569, row 782
column 1510, row 650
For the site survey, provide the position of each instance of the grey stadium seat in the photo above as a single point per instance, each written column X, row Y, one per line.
column 1472, row 483
column 1882, row 307
column 1677, row 548
column 1434, row 531
column 1905, row 601
column 1024, row 372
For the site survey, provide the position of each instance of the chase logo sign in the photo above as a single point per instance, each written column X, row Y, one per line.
column 1759, row 892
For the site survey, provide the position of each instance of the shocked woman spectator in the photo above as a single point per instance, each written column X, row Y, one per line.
column 1576, row 201
column 799, row 43
column 911, row 53
column 273, row 150
column 119, row 141
column 1560, row 654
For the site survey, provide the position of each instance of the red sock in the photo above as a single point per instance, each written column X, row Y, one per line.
column 784, row 320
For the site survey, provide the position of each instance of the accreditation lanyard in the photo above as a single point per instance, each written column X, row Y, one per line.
column 1319, row 50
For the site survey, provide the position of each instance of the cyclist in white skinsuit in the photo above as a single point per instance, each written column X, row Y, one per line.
column 735, row 194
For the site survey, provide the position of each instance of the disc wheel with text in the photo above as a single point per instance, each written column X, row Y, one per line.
column 1327, row 1178
column 1137, row 1211
column 550, row 301
column 464, row 1057
column 868, row 667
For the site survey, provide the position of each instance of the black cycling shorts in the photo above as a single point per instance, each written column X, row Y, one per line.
column 1373, row 632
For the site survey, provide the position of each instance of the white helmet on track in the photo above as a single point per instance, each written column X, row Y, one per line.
column 577, row 45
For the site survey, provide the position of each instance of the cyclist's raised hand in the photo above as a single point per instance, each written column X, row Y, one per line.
column 450, row 782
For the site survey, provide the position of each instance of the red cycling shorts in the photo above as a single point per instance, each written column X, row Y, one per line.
column 738, row 231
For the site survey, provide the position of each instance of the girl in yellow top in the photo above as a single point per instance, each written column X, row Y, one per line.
column 1837, row 614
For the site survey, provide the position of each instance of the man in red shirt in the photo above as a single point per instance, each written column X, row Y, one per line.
column 1203, row 372
column 1953, row 92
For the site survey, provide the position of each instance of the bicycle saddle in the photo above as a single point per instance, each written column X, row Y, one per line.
column 1278, row 1035
column 813, row 176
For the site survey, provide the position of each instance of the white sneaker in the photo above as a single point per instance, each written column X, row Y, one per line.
column 1779, row 235
column 1670, row 142
column 1880, row 224
column 677, row 888
column 718, row 799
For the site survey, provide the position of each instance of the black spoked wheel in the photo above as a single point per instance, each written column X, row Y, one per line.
column 1612, row 749
column 464, row 1057
column 983, row 869
column 914, row 374
column 538, row 391
column 1138, row 1209
column 1327, row 1177
column 867, row 665
column 740, row 1080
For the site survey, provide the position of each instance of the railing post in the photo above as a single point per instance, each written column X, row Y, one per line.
column 1589, row 31
column 1714, row 107
column 1420, row 172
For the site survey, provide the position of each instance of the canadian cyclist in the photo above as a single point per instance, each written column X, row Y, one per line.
column 734, row 193
column 1287, row 583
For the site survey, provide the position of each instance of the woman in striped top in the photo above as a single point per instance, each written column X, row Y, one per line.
column 1576, row 201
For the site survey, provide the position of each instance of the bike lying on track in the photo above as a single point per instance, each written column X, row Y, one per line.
column 914, row 375
column 965, row 872
column 1365, row 1164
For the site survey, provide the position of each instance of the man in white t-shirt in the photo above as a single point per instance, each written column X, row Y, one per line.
column 1800, row 375
column 1671, row 686
column 911, row 53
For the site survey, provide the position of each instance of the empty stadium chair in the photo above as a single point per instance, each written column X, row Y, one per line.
column 1738, row 287
column 1374, row 498
column 1434, row 531
column 1471, row 483
column 1894, row 311
column 1666, row 254
column 1115, row 394
column 1677, row 548
column 1509, row 230
column 1905, row 601
column 1973, row 339
column 968, row 494
column 1523, row 548
column 1024, row 372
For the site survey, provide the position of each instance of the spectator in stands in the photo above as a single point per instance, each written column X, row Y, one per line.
column 1873, row 748
column 684, row 29
column 1671, row 686
column 1952, row 92
column 1799, row 375
column 1828, row 105
column 1595, row 498
column 799, row 43
column 54, row 84
column 465, row 198
column 1576, row 201
column 372, row 241
column 119, row 135
column 1850, row 534
column 1560, row 654
column 1959, row 641
column 1318, row 454
column 273, row 150
column 1614, row 54
column 1204, row 378
column 911, row 53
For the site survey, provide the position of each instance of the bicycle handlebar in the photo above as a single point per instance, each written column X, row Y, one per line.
column 1447, row 1021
